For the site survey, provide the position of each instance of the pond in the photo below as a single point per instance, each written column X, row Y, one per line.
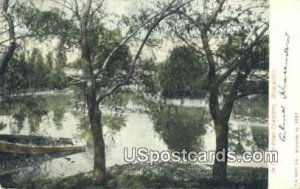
column 130, row 123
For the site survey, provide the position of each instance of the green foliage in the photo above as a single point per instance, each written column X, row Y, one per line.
column 16, row 75
column 101, row 42
column 43, row 24
column 56, row 80
column 260, row 55
column 183, row 74
column 147, row 77
column 120, row 62
column 24, row 74
column 58, row 104
column 61, row 56
column 21, row 108
column 160, row 175
column 180, row 127
column 49, row 60
column 115, row 123
column 153, row 42
column 34, row 109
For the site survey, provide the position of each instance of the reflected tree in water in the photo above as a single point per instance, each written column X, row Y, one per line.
column 113, row 122
column 180, row 127
column 22, row 107
column 34, row 110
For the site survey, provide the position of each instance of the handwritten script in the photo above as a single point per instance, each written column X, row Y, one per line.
column 282, row 90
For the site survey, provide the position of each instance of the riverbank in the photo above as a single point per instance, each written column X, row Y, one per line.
column 162, row 175
column 35, row 92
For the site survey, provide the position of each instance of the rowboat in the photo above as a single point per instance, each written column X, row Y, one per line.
column 38, row 145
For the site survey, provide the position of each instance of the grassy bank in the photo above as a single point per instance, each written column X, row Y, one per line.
column 162, row 175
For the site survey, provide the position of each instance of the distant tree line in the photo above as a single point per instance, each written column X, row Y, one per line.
column 31, row 71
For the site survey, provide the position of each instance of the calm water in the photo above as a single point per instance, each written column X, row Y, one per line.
column 162, row 127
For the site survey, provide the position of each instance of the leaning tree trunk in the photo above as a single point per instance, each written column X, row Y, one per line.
column 91, row 96
column 220, row 163
column 221, row 119
column 99, row 147
column 96, row 128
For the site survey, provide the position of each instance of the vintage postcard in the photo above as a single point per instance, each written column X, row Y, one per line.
column 149, row 94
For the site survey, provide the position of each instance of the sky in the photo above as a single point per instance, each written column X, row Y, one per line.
column 119, row 8
column 114, row 7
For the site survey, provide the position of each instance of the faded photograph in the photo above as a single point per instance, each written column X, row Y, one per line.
column 134, row 94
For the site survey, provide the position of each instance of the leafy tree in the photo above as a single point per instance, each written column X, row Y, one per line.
column 32, row 73
column 184, row 74
column 61, row 57
column 233, row 39
column 21, row 108
column 9, row 51
column 56, row 78
column 49, row 60
column 39, row 68
column 16, row 77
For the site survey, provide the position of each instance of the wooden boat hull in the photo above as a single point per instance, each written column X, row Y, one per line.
column 12, row 144
column 35, row 150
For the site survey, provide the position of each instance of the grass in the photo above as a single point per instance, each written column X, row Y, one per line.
column 161, row 175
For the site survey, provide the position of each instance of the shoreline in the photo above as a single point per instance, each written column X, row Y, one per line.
column 162, row 175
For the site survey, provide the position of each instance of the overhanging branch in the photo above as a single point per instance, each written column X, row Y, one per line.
column 253, row 88
column 167, row 12
column 11, row 31
column 116, row 87
column 131, row 35
column 236, row 62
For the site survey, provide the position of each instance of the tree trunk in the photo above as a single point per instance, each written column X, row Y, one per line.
column 220, row 164
column 99, row 148
column 91, row 96
column 221, row 119
column 11, row 32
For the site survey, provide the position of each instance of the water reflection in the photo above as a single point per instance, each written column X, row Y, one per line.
column 20, row 108
column 128, row 122
column 180, row 127
column 33, row 111
column 240, row 138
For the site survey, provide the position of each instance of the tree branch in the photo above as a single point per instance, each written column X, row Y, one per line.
column 63, row 4
column 188, row 43
column 236, row 63
column 76, row 11
column 125, row 40
column 116, row 87
column 97, row 8
column 205, row 41
column 162, row 16
column 253, row 88
column 229, row 100
column 213, row 16
column 128, row 37
column 86, row 51
column 9, row 54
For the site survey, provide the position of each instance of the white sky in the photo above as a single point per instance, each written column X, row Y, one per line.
column 117, row 7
